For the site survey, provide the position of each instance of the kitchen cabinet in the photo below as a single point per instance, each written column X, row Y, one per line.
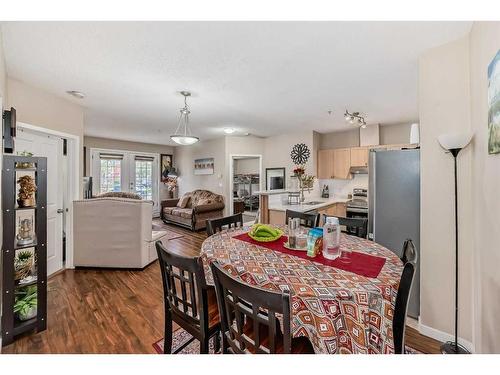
column 359, row 157
column 337, row 209
column 325, row 164
column 277, row 217
column 341, row 163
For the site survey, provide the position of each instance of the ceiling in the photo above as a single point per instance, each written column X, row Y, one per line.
column 264, row 78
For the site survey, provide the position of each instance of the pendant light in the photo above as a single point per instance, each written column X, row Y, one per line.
column 182, row 134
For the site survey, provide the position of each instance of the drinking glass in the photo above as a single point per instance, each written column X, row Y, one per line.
column 345, row 254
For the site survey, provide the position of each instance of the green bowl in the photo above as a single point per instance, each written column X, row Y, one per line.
column 267, row 239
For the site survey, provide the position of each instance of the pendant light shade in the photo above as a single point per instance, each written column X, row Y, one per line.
column 183, row 134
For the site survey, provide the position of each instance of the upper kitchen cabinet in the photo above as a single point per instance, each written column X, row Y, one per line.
column 341, row 163
column 325, row 164
column 359, row 157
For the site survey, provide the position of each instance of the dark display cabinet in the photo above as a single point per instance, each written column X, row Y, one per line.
column 24, row 247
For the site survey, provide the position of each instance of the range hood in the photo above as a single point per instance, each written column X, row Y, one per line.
column 358, row 170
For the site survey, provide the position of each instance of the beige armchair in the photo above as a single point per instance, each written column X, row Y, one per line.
column 114, row 232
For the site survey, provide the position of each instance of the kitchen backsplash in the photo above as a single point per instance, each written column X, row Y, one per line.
column 340, row 188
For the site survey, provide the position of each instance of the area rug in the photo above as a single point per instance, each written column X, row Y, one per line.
column 181, row 336
column 159, row 225
column 170, row 235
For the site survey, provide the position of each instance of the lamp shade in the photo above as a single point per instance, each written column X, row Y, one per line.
column 453, row 141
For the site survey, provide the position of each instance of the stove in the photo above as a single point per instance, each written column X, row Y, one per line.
column 358, row 205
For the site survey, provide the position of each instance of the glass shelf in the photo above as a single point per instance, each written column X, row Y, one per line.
column 25, row 208
column 32, row 282
column 26, row 169
column 23, row 326
column 33, row 244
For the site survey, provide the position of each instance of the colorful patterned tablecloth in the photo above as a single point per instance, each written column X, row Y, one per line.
column 339, row 311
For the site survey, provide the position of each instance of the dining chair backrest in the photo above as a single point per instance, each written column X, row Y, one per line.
column 308, row 220
column 409, row 252
column 357, row 226
column 242, row 306
column 184, row 286
column 401, row 306
column 216, row 225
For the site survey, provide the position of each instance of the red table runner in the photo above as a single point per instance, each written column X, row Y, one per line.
column 361, row 264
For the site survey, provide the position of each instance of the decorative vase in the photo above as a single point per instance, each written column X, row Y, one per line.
column 31, row 313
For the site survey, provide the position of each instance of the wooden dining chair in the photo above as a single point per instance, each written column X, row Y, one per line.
column 188, row 300
column 216, row 225
column 401, row 307
column 354, row 225
column 409, row 251
column 307, row 220
column 249, row 319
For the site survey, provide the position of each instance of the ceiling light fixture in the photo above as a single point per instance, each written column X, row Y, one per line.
column 76, row 94
column 182, row 134
column 355, row 118
column 229, row 130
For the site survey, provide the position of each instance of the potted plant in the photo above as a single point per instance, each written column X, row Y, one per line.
column 26, row 303
column 26, row 194
column 23, row 262
column 171, row 183
column 305, row 181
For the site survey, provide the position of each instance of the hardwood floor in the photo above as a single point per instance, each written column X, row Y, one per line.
column 120, row 311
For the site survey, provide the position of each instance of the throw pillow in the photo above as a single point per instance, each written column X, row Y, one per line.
column 120, row 194
column 183, row 202
column 204, row 201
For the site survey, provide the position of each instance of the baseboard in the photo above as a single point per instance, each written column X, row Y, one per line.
column 443, row 336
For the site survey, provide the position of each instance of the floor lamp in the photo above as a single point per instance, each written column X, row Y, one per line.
column 454, row 143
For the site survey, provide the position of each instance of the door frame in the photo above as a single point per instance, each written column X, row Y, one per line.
column 231, row 177
column 156, row 156
column 73, row 154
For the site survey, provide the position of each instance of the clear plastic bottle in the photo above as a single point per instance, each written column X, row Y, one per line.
column 331, row 238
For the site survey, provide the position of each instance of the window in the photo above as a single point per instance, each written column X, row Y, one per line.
column 144, row 177
column 111, row 171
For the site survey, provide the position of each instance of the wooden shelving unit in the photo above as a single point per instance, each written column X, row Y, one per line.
column 11, row 325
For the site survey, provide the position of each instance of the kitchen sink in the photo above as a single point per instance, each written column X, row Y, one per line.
column 312, row 203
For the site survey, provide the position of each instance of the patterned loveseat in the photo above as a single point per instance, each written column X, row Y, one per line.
column 201, row 205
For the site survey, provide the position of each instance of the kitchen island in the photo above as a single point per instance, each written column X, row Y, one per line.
column 273, row 206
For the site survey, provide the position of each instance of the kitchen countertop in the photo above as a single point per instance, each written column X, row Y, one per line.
column 304, row 207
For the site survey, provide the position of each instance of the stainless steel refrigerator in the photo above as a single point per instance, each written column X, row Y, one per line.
column 394, row 206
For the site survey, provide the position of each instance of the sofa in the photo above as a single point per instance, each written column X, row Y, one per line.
column 201, row 206
column 114, row 233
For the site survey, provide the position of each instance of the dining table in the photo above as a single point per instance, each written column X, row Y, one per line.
column 340, row 308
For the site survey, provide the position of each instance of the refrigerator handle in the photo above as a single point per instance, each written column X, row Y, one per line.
column 371, row 194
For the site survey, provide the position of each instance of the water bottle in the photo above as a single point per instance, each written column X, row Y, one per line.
column 331, row 238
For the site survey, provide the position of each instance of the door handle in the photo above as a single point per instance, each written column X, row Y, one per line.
column 60, row 211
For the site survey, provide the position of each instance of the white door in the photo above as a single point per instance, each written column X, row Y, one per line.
column 126, row 171
column 52, row 148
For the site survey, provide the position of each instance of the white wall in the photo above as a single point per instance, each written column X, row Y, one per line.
column 35, row 106
column 184, row 157
column 484, row 44
column 277, row 154
column 444, row 106
column 389, row 134
column 3, row 72
column 246, row 166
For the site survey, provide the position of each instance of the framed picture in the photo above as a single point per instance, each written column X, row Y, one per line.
column 275, row 178
column 204, row 166
column 494, row 105
column 166, row 164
